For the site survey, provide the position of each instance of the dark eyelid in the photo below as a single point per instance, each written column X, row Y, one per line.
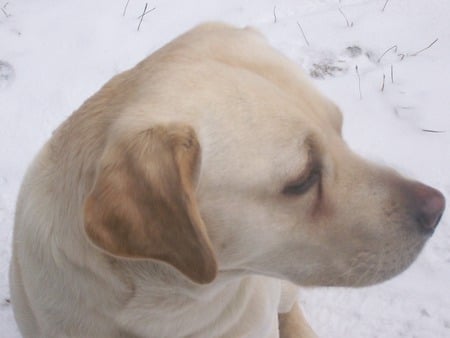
column 309, row 176
column 303, row 187
column 304, row 183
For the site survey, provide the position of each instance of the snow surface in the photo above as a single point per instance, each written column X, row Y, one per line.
column 55, row 54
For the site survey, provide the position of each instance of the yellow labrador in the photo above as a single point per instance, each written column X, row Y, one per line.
column 191, row 193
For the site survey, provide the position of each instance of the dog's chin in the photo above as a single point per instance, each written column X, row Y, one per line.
column 383, row 270
column 358, row 267
column 364, row 268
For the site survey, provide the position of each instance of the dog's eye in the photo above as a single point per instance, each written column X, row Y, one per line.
column 302, row 186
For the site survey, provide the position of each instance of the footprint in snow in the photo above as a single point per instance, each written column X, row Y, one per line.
column 6, row 74
column 330, row 64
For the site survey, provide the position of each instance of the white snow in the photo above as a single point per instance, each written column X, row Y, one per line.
column 55, row 54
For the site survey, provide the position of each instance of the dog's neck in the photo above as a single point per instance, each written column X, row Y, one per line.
column 160, row 294
column 160, row 278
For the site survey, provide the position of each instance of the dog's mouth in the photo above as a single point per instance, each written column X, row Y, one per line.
column 418, row 210
column 367, row 268
column 378, row 252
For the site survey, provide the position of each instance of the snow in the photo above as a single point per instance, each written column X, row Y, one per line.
column 55, row 54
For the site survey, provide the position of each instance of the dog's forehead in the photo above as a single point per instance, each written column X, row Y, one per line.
column 216, row 68
column 254, row 109
column 254, row 147
column 264, row 81
column 251, row 107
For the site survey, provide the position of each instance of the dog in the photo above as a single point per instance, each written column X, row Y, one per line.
column 193, row 194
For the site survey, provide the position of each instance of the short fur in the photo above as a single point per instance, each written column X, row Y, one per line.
column 191, row 194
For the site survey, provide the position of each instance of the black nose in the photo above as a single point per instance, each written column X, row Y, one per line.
column 429, row 205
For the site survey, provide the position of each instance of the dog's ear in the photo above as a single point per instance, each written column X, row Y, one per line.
column 143, row 203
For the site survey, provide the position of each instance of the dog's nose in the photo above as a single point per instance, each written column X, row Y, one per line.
column 429, row 205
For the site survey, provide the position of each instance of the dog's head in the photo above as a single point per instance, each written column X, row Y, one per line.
column 227, row 159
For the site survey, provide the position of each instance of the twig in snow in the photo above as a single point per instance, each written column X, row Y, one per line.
column 144, row 14
column 423, row 49
column 392, row 73
column 387, row 50
column 382, row 86
column 125, row 8
column 385, row 4
column 304, row 36
column 4, row 10
column 359, row 82
column 349, row 24
column 402, row 55
column 274, row 14
column 433, row 131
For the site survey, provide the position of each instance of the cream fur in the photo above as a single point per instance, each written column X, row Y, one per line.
column 259, row 124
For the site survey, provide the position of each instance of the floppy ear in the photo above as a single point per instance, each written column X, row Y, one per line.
column 143, row 205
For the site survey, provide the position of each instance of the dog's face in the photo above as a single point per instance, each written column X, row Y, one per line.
column 283, row 195
column 265, row 178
